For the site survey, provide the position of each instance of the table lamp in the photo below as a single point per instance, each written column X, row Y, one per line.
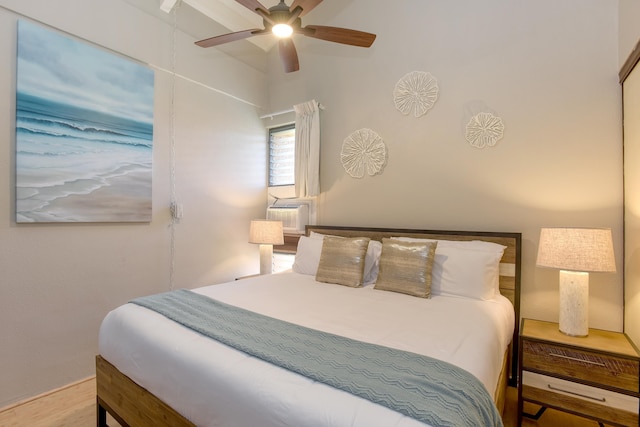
column 266, row 233
column 576, row 252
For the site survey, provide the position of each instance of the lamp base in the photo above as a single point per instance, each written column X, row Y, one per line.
column 574, row 303
column 266, row 259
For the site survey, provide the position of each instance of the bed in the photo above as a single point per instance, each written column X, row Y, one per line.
column 152, row 370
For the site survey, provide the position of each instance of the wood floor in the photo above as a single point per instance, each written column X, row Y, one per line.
column 70, row 406
column 74, row 406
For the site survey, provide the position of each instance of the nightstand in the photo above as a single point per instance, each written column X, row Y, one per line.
column 596, row 377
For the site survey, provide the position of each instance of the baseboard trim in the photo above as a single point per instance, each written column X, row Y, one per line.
column 28, row 400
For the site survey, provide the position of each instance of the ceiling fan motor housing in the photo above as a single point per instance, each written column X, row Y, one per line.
column 280, row 14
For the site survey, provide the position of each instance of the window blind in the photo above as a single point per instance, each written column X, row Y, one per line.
column 282, row 144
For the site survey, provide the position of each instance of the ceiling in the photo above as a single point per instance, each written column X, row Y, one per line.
column 202, row 19
column 230, row 14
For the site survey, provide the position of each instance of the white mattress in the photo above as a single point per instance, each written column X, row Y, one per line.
column 214, row 385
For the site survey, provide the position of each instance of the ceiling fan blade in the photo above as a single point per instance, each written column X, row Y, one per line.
column 288, row 55
column 339, row 35
column 254, row 6
column 231, row 37
column 306, row 5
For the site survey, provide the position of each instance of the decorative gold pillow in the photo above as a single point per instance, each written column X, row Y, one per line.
column 406, row 267
column 342, row 260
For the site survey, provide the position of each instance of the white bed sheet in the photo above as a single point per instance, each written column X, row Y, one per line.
column 214, row 385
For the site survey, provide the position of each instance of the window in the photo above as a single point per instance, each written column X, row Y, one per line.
column 282, row 145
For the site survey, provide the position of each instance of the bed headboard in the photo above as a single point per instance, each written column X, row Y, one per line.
column 509, row 265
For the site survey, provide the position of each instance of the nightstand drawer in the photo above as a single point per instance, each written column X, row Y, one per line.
column 615, row 408
column 594, row 367
column 581, row 392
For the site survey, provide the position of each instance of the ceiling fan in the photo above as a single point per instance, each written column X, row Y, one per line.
column 283, row 21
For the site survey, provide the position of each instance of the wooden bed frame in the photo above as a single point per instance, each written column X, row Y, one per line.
column 132, row 405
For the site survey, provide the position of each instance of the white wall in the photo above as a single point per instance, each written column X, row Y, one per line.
column 629, row 13
column 548, row 68
column 57, row 281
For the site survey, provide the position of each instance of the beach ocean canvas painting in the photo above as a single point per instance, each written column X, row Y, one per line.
column 84, row 131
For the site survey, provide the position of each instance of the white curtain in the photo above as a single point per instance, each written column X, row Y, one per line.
column 307, row 164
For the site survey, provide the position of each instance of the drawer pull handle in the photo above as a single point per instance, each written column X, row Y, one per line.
column 575, row 359
column 598, row 399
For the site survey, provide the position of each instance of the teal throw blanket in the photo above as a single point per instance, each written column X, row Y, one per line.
column 426, row 389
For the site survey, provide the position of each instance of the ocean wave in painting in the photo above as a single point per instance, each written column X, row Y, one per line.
column 75, row 164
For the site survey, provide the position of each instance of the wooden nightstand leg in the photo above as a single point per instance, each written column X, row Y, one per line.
column 537, row 415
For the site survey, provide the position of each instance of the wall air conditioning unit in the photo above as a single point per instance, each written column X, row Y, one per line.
column 294, row 218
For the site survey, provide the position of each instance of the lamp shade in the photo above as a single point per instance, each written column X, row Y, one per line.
column 576, row 249
column 266, row 232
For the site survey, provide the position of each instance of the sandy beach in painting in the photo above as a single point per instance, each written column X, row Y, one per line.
column 120, row 199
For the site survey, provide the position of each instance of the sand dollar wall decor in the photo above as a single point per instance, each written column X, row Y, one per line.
column 416, row 92
column 363, row 151
column 484, row 130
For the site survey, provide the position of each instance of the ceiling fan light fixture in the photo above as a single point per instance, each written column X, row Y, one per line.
column 283, row 21
column 282, row 30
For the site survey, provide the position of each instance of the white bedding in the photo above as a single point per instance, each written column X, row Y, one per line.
column 214, row 385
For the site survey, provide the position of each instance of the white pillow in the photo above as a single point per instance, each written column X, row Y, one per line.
column 465, row 268
column 371, row 261
column 307, row 256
